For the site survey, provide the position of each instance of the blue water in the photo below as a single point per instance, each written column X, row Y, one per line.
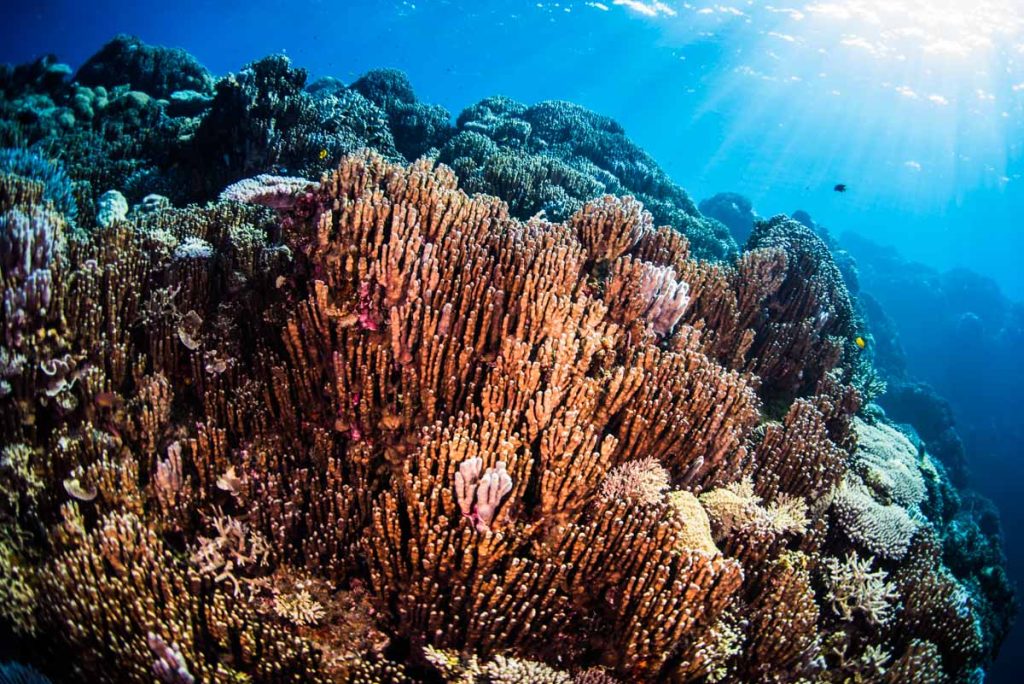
column 926, row 130
column 918, row 107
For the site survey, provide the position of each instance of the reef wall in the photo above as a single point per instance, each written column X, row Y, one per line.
column 372, row 427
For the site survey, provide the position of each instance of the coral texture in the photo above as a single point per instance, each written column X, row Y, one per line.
column 377, row 429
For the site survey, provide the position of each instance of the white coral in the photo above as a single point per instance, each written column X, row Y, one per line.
column 890, row 464
column 642, row 481
column 883, row 529
column 853, row 587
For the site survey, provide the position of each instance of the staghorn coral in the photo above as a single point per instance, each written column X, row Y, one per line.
column 300, row 608
column 169, row 665
column 391, row 418
column 854, row 588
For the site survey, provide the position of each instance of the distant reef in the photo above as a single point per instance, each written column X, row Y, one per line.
column 307, row 382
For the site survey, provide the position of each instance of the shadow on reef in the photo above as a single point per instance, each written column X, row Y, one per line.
column 372, row 428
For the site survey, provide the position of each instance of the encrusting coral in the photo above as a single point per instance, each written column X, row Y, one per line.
column 376, row 429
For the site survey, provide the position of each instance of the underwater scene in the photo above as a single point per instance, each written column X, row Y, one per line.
column 511, row 342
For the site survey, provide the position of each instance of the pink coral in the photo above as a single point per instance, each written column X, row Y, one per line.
column 277, row 192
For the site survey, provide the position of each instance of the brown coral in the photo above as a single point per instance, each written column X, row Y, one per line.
column 493, row 432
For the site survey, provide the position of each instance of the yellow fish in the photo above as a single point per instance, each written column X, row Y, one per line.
column 323, row 154
column 861, row 342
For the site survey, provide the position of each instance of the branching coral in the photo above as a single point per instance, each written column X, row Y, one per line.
column 937, row 608
column 499, row 670
column 811, row 324
column 389, row 418
column 314, row 430
column 885, row 530
column 855, row 589
column 643, row 481
column 736, row 507
column 782, row 636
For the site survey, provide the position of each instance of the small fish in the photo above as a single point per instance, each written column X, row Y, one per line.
column 840, row 187
column 323, row 154
column 108, row 400
column 860, row 342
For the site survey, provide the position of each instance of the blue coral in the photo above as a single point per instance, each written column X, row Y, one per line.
column 57, row 186
column 13, row 672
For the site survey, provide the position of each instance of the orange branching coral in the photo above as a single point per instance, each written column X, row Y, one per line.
column 113, row 576
column 664, row 247
column 639, row 290
column 783, row 637
column 391, row 420
column 672, row 598
column 610, row 226
column 797, row 456
column 540, row 383
column 691, row 415
column 936, row 607
column 726, row 303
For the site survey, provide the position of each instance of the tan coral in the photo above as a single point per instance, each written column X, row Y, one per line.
column 695, row 523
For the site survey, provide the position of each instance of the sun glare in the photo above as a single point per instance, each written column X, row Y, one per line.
column 903, row 29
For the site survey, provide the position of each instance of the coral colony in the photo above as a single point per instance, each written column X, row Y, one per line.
column 306, row 384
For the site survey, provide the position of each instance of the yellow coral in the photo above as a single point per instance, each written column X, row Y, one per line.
column 299, row 607
column 695, row 523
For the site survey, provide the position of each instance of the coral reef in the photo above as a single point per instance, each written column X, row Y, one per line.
column 369, row 427
column 959, row 339
column 262, row 120
column 157, row 71
column 554, row 156
column 417, row 128
column 734, row 210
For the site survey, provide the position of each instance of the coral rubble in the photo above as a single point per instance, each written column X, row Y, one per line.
column 375, row 428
